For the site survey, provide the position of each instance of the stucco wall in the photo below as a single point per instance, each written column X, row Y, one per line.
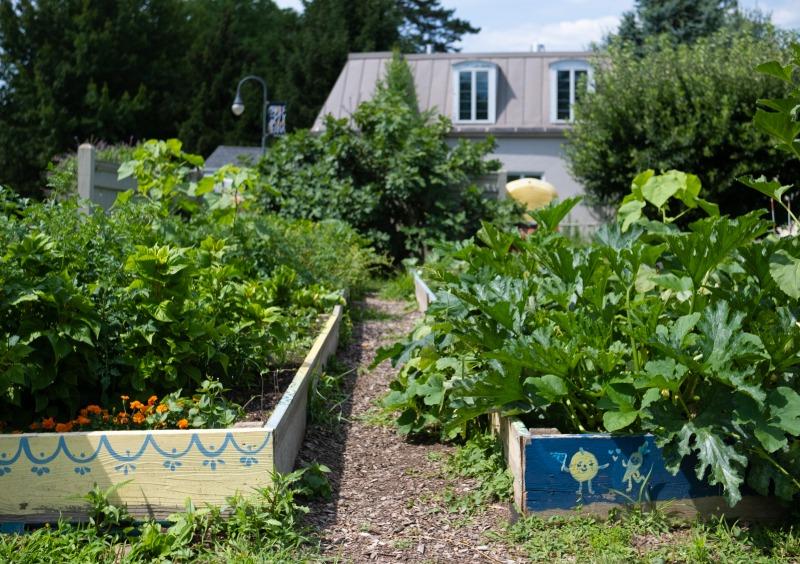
column 544, row 156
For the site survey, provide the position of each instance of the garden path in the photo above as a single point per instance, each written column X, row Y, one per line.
column 390, row 495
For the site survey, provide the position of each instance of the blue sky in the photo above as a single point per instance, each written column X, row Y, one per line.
column 518, row 25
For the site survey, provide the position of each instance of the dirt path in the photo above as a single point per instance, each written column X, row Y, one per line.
column 389, row 503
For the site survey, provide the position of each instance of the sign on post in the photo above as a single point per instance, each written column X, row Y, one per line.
column 276, row 119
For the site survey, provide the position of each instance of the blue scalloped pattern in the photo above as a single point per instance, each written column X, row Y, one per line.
column 127, row 459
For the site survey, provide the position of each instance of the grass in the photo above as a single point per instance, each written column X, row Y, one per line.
column 329, row 396
column 650, row 537
column 399, row 287
column 265, row 527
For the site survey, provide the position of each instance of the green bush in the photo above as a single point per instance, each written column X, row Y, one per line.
column 181, row 282
column 683, row 107
column 391, row 174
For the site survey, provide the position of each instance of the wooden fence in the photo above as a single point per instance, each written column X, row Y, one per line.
column 97, row 180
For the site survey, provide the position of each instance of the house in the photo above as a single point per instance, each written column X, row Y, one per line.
column 525, row 100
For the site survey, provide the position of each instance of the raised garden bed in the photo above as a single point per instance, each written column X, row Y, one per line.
column 43, row 476
column 595, row 473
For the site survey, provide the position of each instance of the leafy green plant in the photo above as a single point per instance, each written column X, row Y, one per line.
column 691, row 334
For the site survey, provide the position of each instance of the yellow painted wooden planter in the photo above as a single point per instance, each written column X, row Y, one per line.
column 43, row 475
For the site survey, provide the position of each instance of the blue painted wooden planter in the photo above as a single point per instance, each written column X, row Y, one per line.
column 595, row 473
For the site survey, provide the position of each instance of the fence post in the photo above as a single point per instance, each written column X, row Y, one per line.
column 86, row 167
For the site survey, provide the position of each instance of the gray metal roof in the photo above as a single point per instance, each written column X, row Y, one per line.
column 523, row 88
column 229, row 154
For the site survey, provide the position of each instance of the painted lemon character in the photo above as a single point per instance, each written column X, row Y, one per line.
column 583, row 467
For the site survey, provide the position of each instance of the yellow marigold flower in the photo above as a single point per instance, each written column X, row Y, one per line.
column 162, row 408
column 138, row 418
column 183, row 424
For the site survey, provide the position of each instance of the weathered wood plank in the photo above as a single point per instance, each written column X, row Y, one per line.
column 514, row 437
column 46, row 474
column 423, row 294
column 595, row 473
column 288, row 420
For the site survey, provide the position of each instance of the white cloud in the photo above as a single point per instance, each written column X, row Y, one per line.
column 786, row 18
column 296, row 4
column 569, row 35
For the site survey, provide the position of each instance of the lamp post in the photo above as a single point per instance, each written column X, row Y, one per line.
column 238, row 107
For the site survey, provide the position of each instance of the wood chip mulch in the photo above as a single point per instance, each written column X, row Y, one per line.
column 388, row 503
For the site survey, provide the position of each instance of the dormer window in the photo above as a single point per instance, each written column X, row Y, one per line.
column 475, row 92
column 568, row 81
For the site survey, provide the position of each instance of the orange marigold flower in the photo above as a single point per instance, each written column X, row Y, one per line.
column 48, row 423
column 83, row 420
column 136, row 404
column 138, row 418
column 183, row 424
column 125, row 398
column 64, row 427
column 84, row 412
column 93, row 409
column 152, row 400
column 162, row 408
column 34, row 426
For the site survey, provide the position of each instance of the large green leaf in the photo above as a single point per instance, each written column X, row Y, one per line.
column 725, row 464
column 785, row 270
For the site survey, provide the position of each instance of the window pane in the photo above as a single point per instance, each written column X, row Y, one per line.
column 581, row 79
column 481, row 95
column 562, row 95
column 465, row 95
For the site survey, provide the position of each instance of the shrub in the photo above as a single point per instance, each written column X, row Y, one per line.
column 684, row 107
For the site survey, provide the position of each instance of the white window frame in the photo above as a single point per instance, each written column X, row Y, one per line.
column 571, row 66
column 473, row 67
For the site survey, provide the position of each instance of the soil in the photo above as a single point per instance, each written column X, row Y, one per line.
column 258, row 402
column 388, row 503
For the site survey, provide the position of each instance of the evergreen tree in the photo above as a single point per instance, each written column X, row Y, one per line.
column 75, row 70
column 399, row 80
column 329, row 31
column 427, row 23
column 684, row 21
column 233, row 40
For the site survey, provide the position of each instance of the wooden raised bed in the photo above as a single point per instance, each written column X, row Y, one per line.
column 44, row 475
column 557, row 474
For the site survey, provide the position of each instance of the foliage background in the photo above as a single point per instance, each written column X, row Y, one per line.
column 680, row 106
column 72, row 71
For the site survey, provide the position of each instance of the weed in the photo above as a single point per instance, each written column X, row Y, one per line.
column 399, row 288
column 328, row 396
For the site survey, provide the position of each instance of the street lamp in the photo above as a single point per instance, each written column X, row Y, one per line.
column 238, row 107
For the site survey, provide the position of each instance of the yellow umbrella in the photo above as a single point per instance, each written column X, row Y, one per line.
column 531, row 192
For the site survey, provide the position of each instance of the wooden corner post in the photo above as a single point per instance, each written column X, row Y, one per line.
column 86, row 168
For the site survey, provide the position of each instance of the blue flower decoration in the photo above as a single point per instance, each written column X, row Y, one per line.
column 248, row 461
column 82, row 470
column 212, row 462
column 125, row 468
column 40, row 470
column 172, row 464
